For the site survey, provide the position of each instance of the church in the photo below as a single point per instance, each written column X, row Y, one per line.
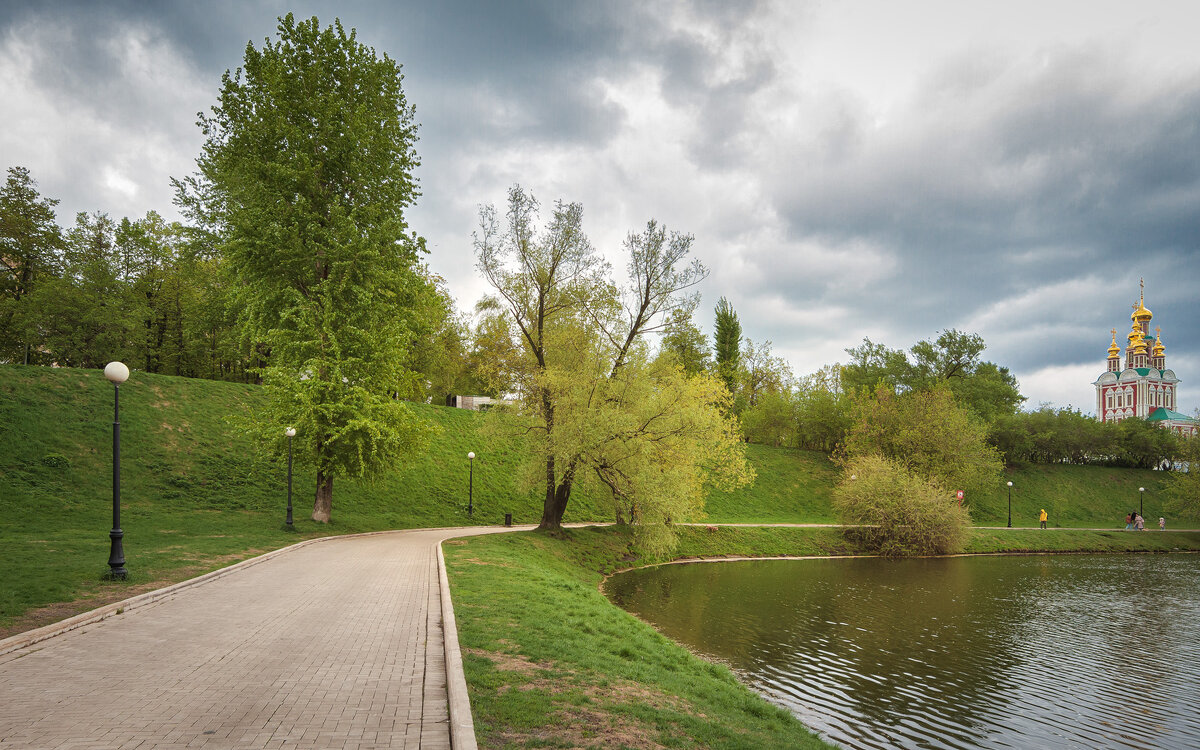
column 1144, row 387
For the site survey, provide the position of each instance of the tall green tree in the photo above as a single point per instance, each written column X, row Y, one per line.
column 90, row 314
column 727, row 343
column 30, row 251
column 684, row 344
column 593, row 402
column 304, row 177
column 953, row 359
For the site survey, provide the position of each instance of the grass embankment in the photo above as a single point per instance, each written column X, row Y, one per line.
column 551, row 663
column 198, row 494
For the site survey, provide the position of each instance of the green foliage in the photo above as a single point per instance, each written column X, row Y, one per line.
column 727, row 343
column 90, row 315
column 1049, row 435
column 896, row 512
column 1183, row 487
column 684, row 344
column 593, row 403
column 304, row 177
column 953, row 359
column 55, row 461
column 927, row 433
column 761, row 374
column 771, row 420
column 30, row 247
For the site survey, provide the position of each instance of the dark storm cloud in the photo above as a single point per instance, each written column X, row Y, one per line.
column 1002, row 178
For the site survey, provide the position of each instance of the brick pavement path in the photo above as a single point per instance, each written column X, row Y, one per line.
column 336, row 644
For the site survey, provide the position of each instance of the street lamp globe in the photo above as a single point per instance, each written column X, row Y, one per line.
column 471, row 455
column 117, row 372
column 1010, row 484
column 290, row 432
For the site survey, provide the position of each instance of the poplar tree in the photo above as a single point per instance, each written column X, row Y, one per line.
column 727, row 343
column 303, row 181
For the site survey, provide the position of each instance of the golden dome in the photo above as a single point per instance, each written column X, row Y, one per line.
column 1140, row 313
column 1114, row 351
column 1135, row 334
column 1159, row 349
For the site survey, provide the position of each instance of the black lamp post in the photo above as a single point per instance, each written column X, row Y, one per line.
column 291, row 433
column 1141, row 494
column 1010, row 505
column 471, row 484
column 117, row 373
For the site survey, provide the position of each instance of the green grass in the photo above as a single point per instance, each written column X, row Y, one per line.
column 196, row 493
column 550, row 663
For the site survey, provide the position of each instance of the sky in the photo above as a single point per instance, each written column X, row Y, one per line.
column 848, row 169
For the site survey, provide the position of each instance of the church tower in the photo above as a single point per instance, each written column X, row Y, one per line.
column 1144, row 387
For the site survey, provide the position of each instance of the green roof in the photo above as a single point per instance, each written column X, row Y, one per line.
column 1162, row 414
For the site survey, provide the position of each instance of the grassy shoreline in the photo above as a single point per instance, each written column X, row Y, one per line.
column 551, row 662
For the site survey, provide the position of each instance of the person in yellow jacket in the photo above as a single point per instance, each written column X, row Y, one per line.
column 1042, row 518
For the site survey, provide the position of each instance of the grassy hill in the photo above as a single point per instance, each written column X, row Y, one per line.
column 198, row 494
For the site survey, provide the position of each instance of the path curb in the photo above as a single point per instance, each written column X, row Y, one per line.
column 462, row 723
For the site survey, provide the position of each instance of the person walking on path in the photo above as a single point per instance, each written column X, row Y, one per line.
column 1129, row 521
column 1139, row 522
column 1042, row 518
column 1162, row 524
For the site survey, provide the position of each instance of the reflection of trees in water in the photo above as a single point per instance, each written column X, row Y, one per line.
column 953, row 644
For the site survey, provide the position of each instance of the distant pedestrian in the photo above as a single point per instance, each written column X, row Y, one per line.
column 1162, row 524
column 1042, row 518
column 1139, row 522
column 1128, row 521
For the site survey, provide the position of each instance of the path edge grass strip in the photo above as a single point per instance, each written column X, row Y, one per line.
column 462, row 723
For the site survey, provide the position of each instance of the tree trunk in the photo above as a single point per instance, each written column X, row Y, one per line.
column 557, row 497
column 323, row 505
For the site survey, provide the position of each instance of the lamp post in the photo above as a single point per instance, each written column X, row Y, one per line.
column 1141, row 494
column 1010, row 505
column 291, row 433
column 118, row 373
column 471, row 483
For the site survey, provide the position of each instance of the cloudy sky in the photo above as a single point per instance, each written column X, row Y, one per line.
column 852, row 168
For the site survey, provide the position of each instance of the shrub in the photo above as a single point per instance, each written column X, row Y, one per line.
column 55, row 461
column 897, row 513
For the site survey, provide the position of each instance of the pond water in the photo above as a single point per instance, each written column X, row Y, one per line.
column 1095, row 651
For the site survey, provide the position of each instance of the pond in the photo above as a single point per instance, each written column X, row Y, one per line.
column 966, row 652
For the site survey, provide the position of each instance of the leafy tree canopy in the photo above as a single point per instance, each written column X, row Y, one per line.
column 304, row 177
column 928, row 433
column 594, row 403
column 954, row 359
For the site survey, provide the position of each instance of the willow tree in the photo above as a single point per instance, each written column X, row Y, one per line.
column 591, row 398
column 303, row 181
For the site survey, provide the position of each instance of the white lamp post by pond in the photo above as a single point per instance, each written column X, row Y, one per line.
column 291, row 433
column 471, row 484
column 1141, row 494
column 117, row 373
column 1010, row 505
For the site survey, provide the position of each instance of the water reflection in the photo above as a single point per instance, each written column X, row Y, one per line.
column 1046, row 651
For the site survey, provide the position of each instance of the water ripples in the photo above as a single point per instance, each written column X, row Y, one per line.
column 1012, row 652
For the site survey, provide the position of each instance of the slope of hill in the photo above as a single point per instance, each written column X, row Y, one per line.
column 198, row 493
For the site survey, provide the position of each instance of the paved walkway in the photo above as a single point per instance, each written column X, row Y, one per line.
column 335, row 644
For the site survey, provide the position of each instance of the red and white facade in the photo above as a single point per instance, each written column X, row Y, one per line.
column 1143, row 387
